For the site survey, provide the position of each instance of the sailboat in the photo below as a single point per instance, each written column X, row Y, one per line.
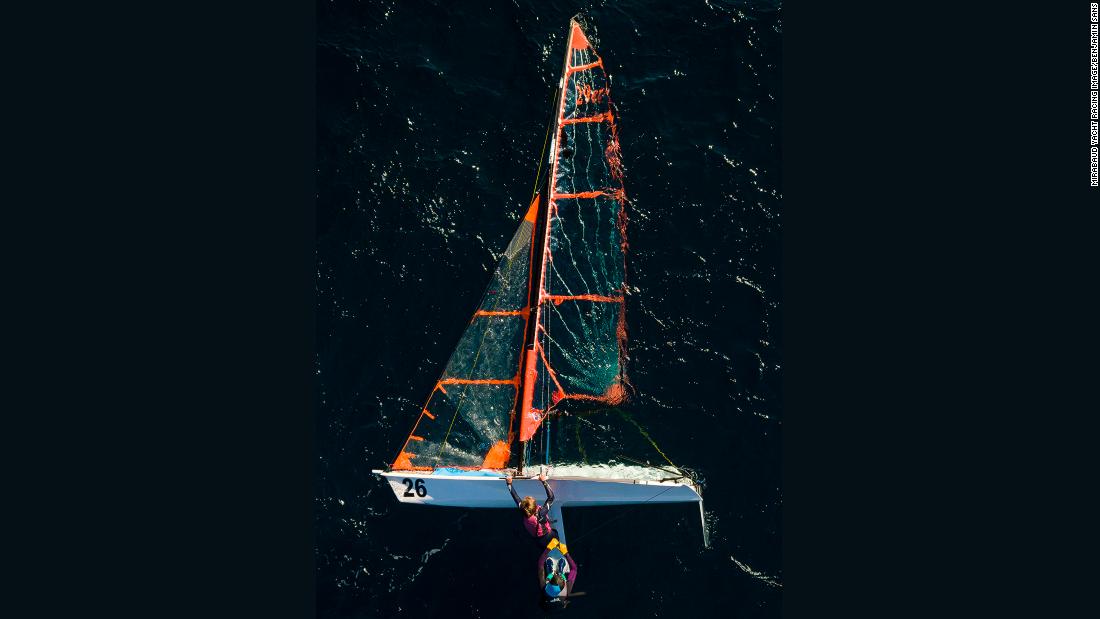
column 549, row 334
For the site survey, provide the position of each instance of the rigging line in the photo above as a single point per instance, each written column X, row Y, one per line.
column 648, row 437
column 580, row 445
column 545, row 141
column 625, row 513
column 549, row 404
column 546, row 456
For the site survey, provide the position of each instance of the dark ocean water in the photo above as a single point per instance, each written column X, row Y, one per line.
column 430, row 118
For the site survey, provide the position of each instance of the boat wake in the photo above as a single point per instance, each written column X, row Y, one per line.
column 762, row 577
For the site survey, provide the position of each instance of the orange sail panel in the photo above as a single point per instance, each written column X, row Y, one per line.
column 581, row 330
column 470, row 423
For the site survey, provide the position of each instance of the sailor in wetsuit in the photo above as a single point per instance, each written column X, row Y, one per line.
column 556, row 581
column 537, row 521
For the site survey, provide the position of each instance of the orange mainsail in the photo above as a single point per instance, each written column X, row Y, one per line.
column 580, row 336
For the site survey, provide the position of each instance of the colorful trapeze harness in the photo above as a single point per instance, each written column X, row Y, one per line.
column 537, row 525
column 552, row 590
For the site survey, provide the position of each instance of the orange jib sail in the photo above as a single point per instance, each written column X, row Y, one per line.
column 467, row 421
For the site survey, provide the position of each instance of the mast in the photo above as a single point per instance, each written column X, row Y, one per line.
column 527, row 359
column 537, row 297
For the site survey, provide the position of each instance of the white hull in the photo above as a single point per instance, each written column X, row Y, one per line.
column 595, row 489
column 464, row 491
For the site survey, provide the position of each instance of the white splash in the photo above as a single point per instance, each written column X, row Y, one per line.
column 762, row 577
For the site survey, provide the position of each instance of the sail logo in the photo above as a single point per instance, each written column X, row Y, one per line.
column 535, row 415
column 587, row 94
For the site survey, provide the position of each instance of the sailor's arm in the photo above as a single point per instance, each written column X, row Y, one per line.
column 515, row 497
column 549, row 492
column 572, row 571
column 542, row 567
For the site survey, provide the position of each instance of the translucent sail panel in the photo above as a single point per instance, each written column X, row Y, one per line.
column 583, row 344
column 511, row 282
column 582, row 326
column 587, row 154
column 463, row 428
column 579, row 354
column 583, row 166
column 586, row 248
column 467, row 420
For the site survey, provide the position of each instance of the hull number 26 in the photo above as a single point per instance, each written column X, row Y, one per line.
column 421, row 489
